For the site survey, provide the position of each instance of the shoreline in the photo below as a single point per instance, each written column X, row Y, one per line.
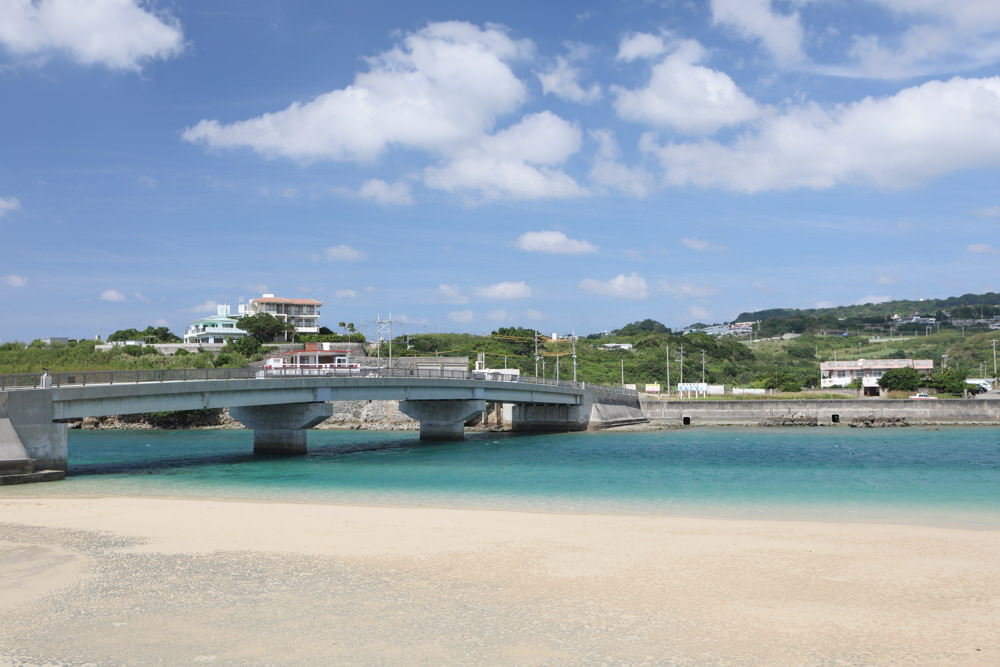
column 119, row 579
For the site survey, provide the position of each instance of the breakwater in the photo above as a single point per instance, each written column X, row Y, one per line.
column 822, row 412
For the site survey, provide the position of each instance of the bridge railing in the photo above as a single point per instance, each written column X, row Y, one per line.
column 83, row 378
column 386, row 371
column 78, row 378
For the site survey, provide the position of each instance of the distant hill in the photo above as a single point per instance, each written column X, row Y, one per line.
column 963, row 309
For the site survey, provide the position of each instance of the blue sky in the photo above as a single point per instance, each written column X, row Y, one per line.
column 565, row 166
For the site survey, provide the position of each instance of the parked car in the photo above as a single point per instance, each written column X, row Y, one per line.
column 923, row 396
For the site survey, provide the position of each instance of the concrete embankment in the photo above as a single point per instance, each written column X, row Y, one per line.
column 856, row 412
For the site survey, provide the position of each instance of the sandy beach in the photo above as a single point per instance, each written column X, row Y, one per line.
column 168, row 581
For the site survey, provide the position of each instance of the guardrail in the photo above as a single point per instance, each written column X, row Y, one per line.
column 83, row 378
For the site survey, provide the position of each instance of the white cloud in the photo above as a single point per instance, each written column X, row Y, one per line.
column 886, row 279
column 871, row 298
column 699, row 244
column 138, row 296
column 343, row 253
column 406, row 319
column 940, row 35
column 498, row 315
column 992, row 212
column 515, row 163
column 632, row 286
column 505, row 290
column 699, row 313
column 533, row 315
column 554, row 242
column 608, row 172
column 982, row 249
column 461, row 316
column 686, row 96
column 896, row 142
column 563, row 81
column 113, row 295
column 452, row 294
column 440, row 89
column 14, row 281
column 641, row 45
column 8, row 204
column 386, row 194
column 781, row 33
column 345, row 294
column 119, row 34
column 205, row 307
column 685, row 290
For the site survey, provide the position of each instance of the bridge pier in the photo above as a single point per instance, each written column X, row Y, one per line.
column 281, row 429
column 545, row 418
column 442, row 419
column 32, row 446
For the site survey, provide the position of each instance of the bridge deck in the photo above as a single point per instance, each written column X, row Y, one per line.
column 75, row 402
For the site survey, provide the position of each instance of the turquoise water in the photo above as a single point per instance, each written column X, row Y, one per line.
column 947, row 476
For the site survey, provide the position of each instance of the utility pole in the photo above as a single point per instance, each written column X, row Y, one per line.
column 536, row 354
column 703, row 366
column 384, row 326
column 682, row 364
column 668, row 372
column 573, row 339
column 623, row 372
column 995, row 365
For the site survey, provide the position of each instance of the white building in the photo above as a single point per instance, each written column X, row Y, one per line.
column 217, row 329
column 303, row 314
column 843, row 373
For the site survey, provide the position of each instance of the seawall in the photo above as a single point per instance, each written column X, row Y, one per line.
column 966, row 412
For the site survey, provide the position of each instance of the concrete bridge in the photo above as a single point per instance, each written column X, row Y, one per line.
column 280, row 409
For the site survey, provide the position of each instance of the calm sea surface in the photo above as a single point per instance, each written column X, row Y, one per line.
column 947, row 476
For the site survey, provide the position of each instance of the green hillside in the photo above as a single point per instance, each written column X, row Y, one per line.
column 784, row 352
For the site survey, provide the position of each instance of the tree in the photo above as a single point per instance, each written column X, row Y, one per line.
column 263, row 326
column 248, row 346
column 148, row 335
column 646, row 326
column 951, row 381
column 124, row 335
column 901, row 379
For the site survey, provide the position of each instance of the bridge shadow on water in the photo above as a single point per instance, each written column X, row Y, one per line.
column 155, row 464
column 158, row 462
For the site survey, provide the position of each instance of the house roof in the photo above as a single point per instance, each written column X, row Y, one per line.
column 879, row 364
column 321, row 353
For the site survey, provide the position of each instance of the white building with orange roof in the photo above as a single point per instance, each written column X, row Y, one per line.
column 303, row 314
